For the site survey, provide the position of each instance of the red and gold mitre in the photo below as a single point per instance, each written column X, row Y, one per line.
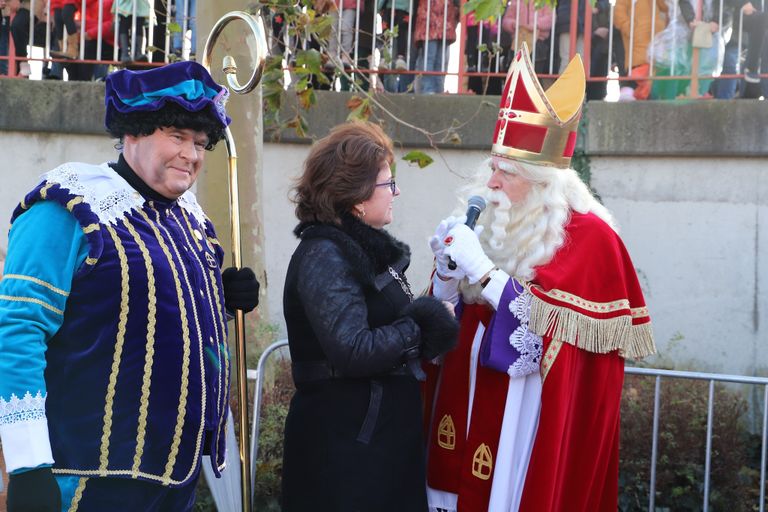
column 538, row 126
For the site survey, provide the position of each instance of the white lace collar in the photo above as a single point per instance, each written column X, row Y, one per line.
column 108, row 194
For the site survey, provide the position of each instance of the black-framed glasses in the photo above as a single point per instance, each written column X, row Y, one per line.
column 391, row 184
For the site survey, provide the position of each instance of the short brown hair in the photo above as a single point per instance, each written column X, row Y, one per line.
column 341, row 171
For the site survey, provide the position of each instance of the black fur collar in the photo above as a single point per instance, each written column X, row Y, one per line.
column 369, row 250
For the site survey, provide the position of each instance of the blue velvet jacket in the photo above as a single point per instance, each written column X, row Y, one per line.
column 137, row 375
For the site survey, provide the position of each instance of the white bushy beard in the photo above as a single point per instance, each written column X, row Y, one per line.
column 522, row 236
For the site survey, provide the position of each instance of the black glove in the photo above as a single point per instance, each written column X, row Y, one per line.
column 439, row 328
column 34, row 491
column 241, row 289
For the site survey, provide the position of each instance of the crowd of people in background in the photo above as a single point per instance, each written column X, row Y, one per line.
column 633, row 41
column 114, row 31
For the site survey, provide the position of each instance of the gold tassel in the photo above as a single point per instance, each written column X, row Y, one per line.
column 591, row 334
column 642, row 343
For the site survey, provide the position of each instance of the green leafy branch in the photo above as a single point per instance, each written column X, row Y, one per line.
column 306, row 59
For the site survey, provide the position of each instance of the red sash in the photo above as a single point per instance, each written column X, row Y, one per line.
column 460, row 463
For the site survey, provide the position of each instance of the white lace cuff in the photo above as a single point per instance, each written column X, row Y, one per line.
column 523, row 340
column 26, row 444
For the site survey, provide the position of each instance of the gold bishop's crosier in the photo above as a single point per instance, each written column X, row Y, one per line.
column 256, row 26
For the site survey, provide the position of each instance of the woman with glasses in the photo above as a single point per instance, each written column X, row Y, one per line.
column 353, row 435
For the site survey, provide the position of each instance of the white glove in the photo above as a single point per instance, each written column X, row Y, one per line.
column 464, row 248
column 437, row 244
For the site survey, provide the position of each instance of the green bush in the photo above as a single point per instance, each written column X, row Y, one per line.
column 277, row 393
column 203, row 497
column 735, row 461
column 269, row 465
column 278, row 389
column 735, row 457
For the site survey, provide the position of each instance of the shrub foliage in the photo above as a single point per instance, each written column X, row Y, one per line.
column 735, row 459
column 735, row 456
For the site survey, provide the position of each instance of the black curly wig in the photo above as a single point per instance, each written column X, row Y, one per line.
column 143, row 123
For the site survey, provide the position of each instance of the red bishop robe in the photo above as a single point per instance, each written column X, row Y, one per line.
column 588, row 307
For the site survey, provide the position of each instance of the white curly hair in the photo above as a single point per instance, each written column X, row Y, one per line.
column 519, row 237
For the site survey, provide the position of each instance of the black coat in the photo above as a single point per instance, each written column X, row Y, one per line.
column 353, row 435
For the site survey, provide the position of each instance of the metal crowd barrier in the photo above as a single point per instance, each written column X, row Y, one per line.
column 370, row 24
column 257, row 375
column 712, row 378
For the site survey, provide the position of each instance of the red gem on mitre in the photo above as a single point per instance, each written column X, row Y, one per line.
column 507, row 115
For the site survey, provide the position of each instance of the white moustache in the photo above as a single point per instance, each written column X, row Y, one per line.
column 498, row 196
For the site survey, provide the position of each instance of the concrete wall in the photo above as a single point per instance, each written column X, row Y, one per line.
column 696, row 229
column 690, row 195
column 695, row 240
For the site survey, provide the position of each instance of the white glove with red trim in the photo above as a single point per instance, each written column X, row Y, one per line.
column 463, row 246
column 436, row 243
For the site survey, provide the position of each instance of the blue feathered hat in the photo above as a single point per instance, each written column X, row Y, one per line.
column 185, row 83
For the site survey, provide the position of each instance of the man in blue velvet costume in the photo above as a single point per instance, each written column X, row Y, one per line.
column 113, row 310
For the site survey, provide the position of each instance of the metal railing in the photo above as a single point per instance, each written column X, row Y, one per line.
column 711, row 378
column 459, row 47
column 106, row 35
column 257, row 376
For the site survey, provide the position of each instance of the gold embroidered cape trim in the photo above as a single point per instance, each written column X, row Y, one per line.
column 74, row 202
column 607, row 308
column 631, row 335
column 548, row 361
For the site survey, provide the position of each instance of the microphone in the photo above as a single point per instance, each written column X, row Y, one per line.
column 475, row 206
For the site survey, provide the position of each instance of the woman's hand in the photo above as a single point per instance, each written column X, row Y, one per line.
column 438, row 329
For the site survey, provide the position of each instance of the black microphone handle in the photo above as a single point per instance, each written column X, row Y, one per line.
column 473, row 213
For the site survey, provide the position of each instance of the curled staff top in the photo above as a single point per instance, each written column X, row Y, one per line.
column 258, row 44
column 186, row 83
